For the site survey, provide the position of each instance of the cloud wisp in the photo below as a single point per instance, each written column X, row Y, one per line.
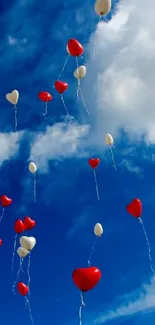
column 9, row 145
column 140, row 301
column 59, row 141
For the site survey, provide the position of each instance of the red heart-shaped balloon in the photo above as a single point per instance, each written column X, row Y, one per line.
column 45, row 96
column 61, row 86
column 22, row 288
column 135, row 208
column 74, row 47
column 94, row 162
column 5, row 201
column 86, row 278
column 19, row 226
column 29, row 223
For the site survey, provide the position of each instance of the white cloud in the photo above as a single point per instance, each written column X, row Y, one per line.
column 9, row 145
column 59, row 141
column 123, row 71
column 141, row 300
column 130, row 167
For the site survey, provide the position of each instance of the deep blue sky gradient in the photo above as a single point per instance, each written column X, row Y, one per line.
column 66, row 208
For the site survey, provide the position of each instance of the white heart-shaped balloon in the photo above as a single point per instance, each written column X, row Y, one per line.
column 13, row 97
column 22, row 252
column 27, row 242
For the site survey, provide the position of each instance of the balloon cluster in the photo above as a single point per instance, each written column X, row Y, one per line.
column 85, row 278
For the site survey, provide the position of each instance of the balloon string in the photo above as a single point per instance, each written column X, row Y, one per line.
column 28, row 272
column 15, row 108
column 91, row 253
column 64, row 66
column 78, row 86
column 45, row 113
column 83, row 101
column 35, row 186
column 2, row 215
column 113, row 160
column 148, row 244
column 20, row 269
column 29, row 308
column 63, row 102
column 13, row 255
column 97, row 191
column 80, row 309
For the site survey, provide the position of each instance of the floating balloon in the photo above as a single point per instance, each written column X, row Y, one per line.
column 46, row 97
column 33, row 170
column 98, row 230
column 19, row 226
column 5, row 202
column 94, row 162
column 28, row 242
column 74, row 47
column 80, row 72
column 86, row 278
column 1, row 242
column 135, row 208
column 22, row 288
column 102, row 7
column 22, row 252
column 109, row 141
column 61, row 87
column 29, row 223
column 13, row 99
column 32, row 167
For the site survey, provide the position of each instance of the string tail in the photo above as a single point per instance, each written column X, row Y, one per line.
column 2, row 214
column 148, row 244
column 18, row 273
column 28, row 271
column 83, row 101
column 45, row 113
column 64, row 105
column 91, row 253
column 80, row 309
column 78, row 82
column 113, row 160
column 16, row 122
column 13, row 255
column 64, row 66
column 34, row 188
column 97, row 191
column 29, row 309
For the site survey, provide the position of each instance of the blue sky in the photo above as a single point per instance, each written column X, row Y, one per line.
column 119, row 93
